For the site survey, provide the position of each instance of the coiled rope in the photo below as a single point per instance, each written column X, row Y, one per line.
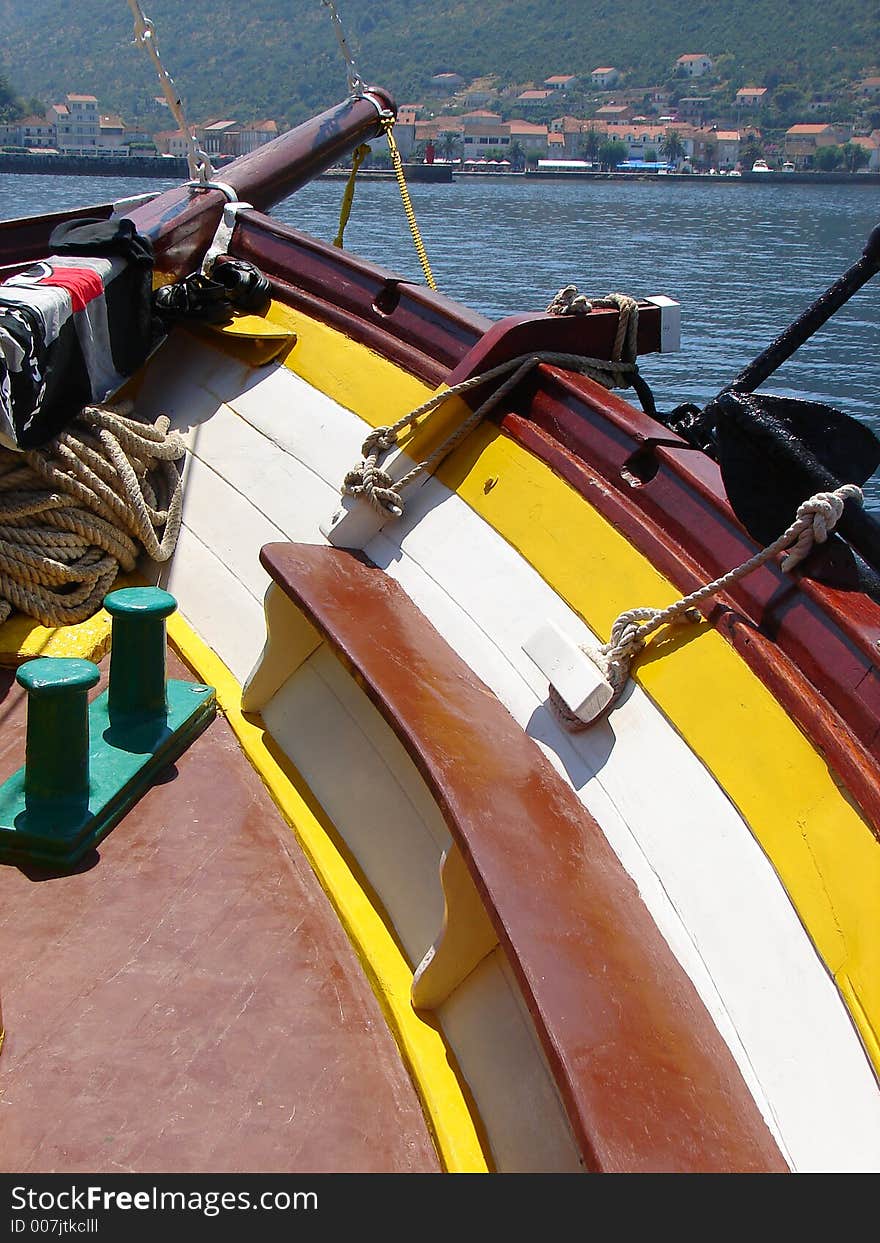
column 814, row 521
column 81, row 508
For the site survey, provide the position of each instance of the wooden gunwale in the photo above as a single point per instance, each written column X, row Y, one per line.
column 444, row 340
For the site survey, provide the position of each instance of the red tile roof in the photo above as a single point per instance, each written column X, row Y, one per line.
column 807, row 129
column 526, row 127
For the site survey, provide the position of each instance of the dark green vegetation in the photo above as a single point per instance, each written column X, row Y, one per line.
column 279, row 58
column 11, row 106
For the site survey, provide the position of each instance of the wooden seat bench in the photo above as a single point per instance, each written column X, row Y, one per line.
column 645, row 1078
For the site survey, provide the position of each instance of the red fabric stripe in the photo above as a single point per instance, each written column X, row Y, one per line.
column 82, row 284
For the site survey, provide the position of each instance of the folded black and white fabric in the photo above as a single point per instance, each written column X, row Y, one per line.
column 73, row 327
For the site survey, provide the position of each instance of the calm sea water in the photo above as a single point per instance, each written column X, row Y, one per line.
column 743, row 260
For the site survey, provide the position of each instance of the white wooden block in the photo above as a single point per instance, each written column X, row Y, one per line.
column 570, row 670
column 355, row 521
column 670, row 323
column 353, row 524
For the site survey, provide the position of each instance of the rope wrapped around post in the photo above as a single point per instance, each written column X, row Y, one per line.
column 814, row 522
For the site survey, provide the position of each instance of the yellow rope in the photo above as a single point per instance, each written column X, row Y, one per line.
column 357, row 160
column 388, row 126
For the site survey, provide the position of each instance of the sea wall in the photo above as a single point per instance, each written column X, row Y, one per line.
column 436, row 173
column 174, row 167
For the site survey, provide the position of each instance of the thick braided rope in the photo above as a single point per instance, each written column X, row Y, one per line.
column 370, row 481
column 81, row 508
column 569, row 301
column 626, row 339
column 815, row 520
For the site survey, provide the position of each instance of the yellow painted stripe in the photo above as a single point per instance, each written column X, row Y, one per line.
column 825, row 854
column 22, row 638
column 450, row 1115
column 358, row 378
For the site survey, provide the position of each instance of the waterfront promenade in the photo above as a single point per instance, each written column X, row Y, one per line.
column 175, row 168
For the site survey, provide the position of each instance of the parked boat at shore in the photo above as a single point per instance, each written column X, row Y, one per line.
column 487, row 822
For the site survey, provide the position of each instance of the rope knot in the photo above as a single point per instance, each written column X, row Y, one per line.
column 628, row 637
column 380, row 440
column 369, row 480
column 815, row 520
column 567, row 301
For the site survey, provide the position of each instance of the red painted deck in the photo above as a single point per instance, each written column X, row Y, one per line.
column 189, row 1002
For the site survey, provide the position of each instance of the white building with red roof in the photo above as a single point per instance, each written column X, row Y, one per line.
column 694, row 64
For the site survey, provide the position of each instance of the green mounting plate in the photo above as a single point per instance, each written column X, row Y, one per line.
column 123, row 762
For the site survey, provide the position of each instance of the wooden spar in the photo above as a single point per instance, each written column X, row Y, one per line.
column 181, row 222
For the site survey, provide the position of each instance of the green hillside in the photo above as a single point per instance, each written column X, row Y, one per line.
column 279, row 58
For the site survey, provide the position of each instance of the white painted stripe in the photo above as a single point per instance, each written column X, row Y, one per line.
column 705, row 880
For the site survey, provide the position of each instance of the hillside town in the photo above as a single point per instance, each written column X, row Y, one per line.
column 78, row 127
column 695, row 122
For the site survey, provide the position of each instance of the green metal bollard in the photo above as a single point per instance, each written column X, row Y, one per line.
column 57, row 748
column 88, row 764
column 137, row 652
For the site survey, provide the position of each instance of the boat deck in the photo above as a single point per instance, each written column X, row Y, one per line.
column 187, row 1000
